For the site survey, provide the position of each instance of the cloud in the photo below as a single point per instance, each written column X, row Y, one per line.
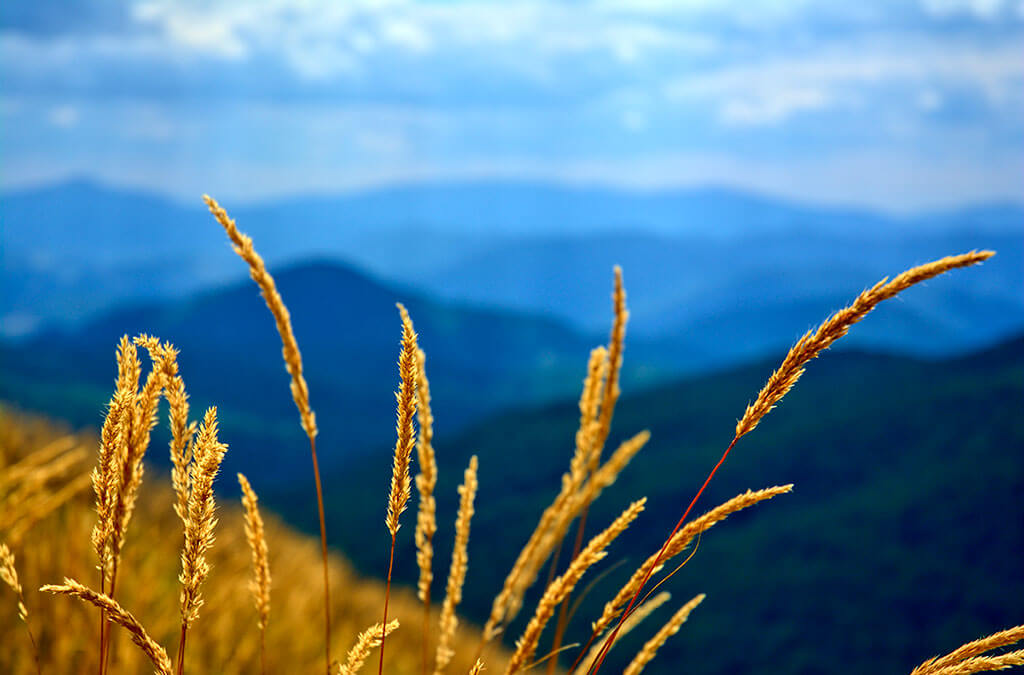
column 368, row 91
column 982, row 9
column 779, row 106
column 853, row 75
column 63, row 116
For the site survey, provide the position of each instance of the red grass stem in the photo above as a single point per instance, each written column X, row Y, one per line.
column 611, row 637
column 323, row 550
column 387, row 596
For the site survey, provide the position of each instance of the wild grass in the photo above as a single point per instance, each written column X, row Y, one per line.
column 226, row 637
column 228, row 576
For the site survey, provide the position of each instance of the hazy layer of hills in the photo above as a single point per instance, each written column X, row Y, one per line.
column 904, row 535
column 905, row 532
column 348, row 329
column 700, row 264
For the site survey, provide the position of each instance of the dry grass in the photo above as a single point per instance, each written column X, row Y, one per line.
column 559, row 589
column 242, row 245
column 426, row 481
column 678, row 544
column 650, row 648
column 113, row 611
column 457, row 569
column 256, row 535
column 367, row 641
column 42, row 480
column 226, row 638
column 970, row 658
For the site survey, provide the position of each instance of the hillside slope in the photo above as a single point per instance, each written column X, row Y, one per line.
column 348, row 329
column 225, row 638
column 904, row 535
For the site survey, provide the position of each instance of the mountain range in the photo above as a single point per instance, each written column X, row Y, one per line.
column 903, row 536
column 348, row 329
column 702, row 266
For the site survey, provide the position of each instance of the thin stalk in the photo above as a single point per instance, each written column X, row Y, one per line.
column 387, row 596
column 263, row 651
column 323, row 551
column 579, row 657
column 611, row 637
column 35, row 647
column 426, row 631
column 105, row 646
column 563, row 611
column 179, row 667
column 103, row 618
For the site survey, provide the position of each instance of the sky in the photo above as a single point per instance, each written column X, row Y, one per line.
column 901, row 105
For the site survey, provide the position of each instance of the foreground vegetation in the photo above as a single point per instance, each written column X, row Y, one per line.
column 47, row 516
column 196, row 453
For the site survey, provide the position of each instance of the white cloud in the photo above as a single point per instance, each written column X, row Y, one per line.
column 406, row 34
column 204, row 32
column 772, row 109
column 982, row 9
column 634, row 120
column 929, row 100
column 775, row 89
column 63, row 116
column 320, row 94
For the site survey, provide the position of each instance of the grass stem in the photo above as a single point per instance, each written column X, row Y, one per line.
column 611, row 636
column 387, row 596
column 323, row 552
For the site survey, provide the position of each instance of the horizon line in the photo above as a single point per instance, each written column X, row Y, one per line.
column 567, row 184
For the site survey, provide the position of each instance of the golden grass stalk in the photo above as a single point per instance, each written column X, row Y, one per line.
column 46, row 503
column 600, row 391
column 398, row 497
column 426, row 516
column 968, row 658
column 9, row 575
column 559, row 589
column 242, row 245
column 597, row 438
column 109, row 473
column 577, row 503
column 115, row 613
column 586, row 459
column 836, row 326
column 616, row 345
column 634, row 620
column 981, row 664
column 584, row 462
column 25, row 467
column 549, row 532
column 199, row 526
column 605, row 475
column 367, row 641
column 135, row 424
column 13, row 503
column 807, row 348
column 106, row 477
column 651, row 647
column 457, row 571
column 678, row 544
column 141, row 423
column 260, row 585
column 477, row 668
column 165, row 357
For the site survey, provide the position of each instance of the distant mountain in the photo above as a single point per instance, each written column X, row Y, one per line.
column 698, row 263
column 902, row 539
column 348, row 329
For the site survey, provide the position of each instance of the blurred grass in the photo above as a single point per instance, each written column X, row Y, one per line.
column 225, row 639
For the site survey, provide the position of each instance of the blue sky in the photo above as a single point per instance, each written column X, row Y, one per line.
column 901, row 105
